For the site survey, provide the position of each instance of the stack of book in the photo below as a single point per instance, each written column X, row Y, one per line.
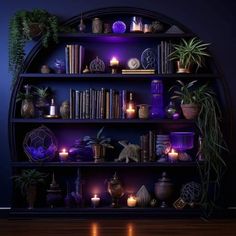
column 97, row 104
column 74, row 58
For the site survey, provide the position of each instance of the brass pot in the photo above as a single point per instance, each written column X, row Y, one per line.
column 115, row 189
column 99, row 152
column 183, row 69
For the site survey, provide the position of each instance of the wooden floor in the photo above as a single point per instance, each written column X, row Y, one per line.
column 109, row 227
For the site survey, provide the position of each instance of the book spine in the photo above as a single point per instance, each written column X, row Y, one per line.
column 152, row 154
column 67, row 58
column 72, row 101
column 107, row 105
column 103, row 104
column 76, row 58
column 87, row 102
column 81, row 59
column 111, row 104
column 76, row 104
column 123, row 103
column 84, row 105
column 80, row 104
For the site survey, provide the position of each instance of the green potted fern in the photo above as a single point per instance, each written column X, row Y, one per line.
column 27, row 182
column 189, row 53
column 25, row 26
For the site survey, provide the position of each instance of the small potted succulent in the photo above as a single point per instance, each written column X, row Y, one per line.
column 25, row 26
column 188, row 54
column 28, row 181
column 99, row 145
column 41, row 103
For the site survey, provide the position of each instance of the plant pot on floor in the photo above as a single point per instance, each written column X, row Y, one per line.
column 190, row 111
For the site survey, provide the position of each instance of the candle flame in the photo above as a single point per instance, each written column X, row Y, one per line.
column 63, row 150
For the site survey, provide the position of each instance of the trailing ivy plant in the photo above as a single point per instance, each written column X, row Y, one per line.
column 24, row 26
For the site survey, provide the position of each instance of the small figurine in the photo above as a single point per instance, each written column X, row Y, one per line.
column 86, row 70
column 130, row 151
column 81, row 26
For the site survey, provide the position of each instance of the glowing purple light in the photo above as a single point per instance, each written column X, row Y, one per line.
column 119, row 27
column 182, row 140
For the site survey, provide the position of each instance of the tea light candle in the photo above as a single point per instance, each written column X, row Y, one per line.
column 63, row 155
column 95, row 200
column 173, row 156
column 131, row 201
column 130, row 112
column 114, row 62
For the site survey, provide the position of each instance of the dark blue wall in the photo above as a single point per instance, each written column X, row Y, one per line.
column 211, row 20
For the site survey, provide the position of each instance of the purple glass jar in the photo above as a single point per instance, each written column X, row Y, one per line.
column 182, row 140
column 157, row 110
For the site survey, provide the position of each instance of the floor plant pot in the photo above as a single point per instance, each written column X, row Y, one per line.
column 190, row 111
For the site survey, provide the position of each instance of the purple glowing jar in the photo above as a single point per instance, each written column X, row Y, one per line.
column 182, row 140
column 119, row 27
column 157, row 110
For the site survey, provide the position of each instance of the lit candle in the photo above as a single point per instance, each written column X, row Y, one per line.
column 63, row 155
column 130, row 112
column 114, row 62
column 131, row 201
column 95, row 200
column 173, row 156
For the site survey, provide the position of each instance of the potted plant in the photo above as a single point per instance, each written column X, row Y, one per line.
column 24, row 26
column 99, row 145
column 28, row 181
column 41, row 103
column 188, row 95
column 189, row 53
column 212, row 141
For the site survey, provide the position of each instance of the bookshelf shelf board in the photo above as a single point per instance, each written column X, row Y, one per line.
column 103, row 121
column 105, row 211
column 103, row 164
column 114, row 76
column 112, row 37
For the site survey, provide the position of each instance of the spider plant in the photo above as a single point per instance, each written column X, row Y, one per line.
column 189, row 53
column 208, row 122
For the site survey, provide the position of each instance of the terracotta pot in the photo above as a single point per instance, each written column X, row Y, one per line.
column 183, row 69
column 190, row 111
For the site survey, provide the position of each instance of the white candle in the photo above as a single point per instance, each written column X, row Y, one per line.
column 114, row 62
column 95, row 200
column 173, row 156
column 130, row 112
column 131, row 201
column 63, row 155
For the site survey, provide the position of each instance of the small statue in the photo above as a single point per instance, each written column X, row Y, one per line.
column 130, row 151
column 86, row 70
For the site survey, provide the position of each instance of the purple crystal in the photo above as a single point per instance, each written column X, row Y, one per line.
column 119, row 27
column 182, row 140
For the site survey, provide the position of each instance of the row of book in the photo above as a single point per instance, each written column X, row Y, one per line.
column 74, row 58
column 98, row 104
column 165, row 66
column 148, row 147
